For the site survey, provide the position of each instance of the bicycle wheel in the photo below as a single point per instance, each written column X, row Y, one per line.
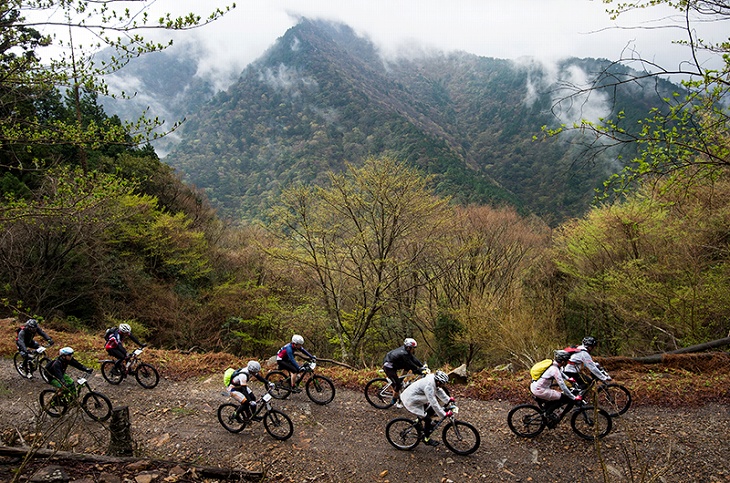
column 525, row 420
column 320, row 389
column 614, row 398
column 146, row 376
column 460, row 437
column 591, row 423
column 282, row 384
column 53, row 405
column 97, row 406
column 403, row 433
column 109, row 372
column 19, row 363
column 278, row 425
column 42, row 369
column 379, row 393
column 229, row 419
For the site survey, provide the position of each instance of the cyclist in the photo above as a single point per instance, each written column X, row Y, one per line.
column 25, row 342
column 57, row 370
column 239, row 390
column 285, row 359
column 115, row 346
column 582, row 358
column 425, row 398
column 551, row 399
column 401, row 358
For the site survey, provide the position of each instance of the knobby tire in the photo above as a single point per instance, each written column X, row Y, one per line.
column 591, row 423
column 97, row 406
column 403, row 433
column 51, row 404
column 461, row 437
column 278, row 425
column 282, row 384
column 228, row 418
column 320, row 389
column 526, row 420
column 147, row 376
column 614, row 398
column 106, row 372
column 379, row 393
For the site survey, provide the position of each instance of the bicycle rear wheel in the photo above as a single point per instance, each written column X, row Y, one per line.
column 110, row 373
column 19, row 364
column 146, row 376
column 526, row 421
column 591, row 423
column 614, row 398
column 53, row 405
column 403, row 433
column 460, row 437
column 379, row 392
column 97, row 406
column 230, row 419
column 278, row 425
column 320, row 389
column 282, row 384
column 42, row 369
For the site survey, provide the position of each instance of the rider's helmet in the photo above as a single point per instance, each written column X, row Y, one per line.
column 253, row 367
column 590, row 342
column 65, row 351
column 297, row 339
column 125, row 329
column 410, row 343
column 441, row 377
column 31, row 324
column 561, row 356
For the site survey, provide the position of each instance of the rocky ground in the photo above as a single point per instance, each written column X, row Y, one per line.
column 344, row 441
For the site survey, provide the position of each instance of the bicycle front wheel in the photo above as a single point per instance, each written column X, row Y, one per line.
column 591, row 423
column 42, row 369
column 282, row 384
column 278, row 425
column 111, row 373
column 461, row 438
column 525, row 420
column 147, row 376
column 230, row 419
column 53, row 405
column 97, row 406
column 403, row 433
column 614, row 398
column 20, row 363
column 379, row 392
column 320, row 389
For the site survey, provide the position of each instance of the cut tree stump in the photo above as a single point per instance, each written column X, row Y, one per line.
column 120, row 443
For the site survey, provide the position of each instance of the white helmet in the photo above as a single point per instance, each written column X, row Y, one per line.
column 125, row 329
column 441, row 377
column 65, row 351
column 297, row 339
column 253, row 367
column 410, row 342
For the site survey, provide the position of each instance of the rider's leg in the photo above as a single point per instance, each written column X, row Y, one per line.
column 392, row 375
column 428, row 427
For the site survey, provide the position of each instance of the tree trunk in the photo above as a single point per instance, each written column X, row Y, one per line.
column 120, row 443
column 657, row 358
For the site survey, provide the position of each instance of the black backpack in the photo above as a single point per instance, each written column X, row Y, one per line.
column 109, row 332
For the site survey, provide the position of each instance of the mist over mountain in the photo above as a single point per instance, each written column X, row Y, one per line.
column 321, row 96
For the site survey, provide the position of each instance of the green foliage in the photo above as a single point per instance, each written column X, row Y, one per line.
column 449, row 349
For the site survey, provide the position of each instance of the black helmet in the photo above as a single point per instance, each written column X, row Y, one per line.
column 31, row 324
column 561, row 356
column 590, row 341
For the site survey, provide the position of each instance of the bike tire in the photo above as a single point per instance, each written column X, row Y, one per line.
column 461, row 437
column 42, row 369
column 51, row 404
column 147, row 376
column 403, row 433
column 97, row 406
column 591, row 423
column 18, row 361
column 614, row 398
column 278, row 425
column 379, row 393
column 526, row 420
column 229, row 419
column 320, row 389
column 106, row 372
column 282, row 384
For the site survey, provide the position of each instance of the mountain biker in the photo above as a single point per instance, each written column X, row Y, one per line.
column 401, row 358
column 57, row 370
column 115, row 346
column 239, row 390
column 25, row 342
column 425, row 398
column 582, row 357
column 552, row 398
column 285, row 359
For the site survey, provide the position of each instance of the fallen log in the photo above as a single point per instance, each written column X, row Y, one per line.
column 657, row 358
column 203, row 471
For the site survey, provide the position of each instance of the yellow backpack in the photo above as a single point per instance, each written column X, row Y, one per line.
column 539, row 368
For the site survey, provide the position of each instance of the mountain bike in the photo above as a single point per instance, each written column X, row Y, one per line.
column 235, row 417
column 612, row 397
column 146, row 375
column 57, row 402
column 320, row 389
column 459, row 436
column 379, row 391
column 37, row 361
column 588, row 422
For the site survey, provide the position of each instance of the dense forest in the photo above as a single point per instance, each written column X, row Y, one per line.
column 96, row 230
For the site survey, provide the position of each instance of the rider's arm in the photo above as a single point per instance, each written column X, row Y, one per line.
column 44, row 335
column 415, row 365
column 433, row 402
column 262, row 378
column 306, row 353
column 135, row 340
column 558, row 377
column 591, row 365
column 78, row 365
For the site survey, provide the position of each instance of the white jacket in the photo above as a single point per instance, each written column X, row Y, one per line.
column 583, row 358
column 423, row 393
